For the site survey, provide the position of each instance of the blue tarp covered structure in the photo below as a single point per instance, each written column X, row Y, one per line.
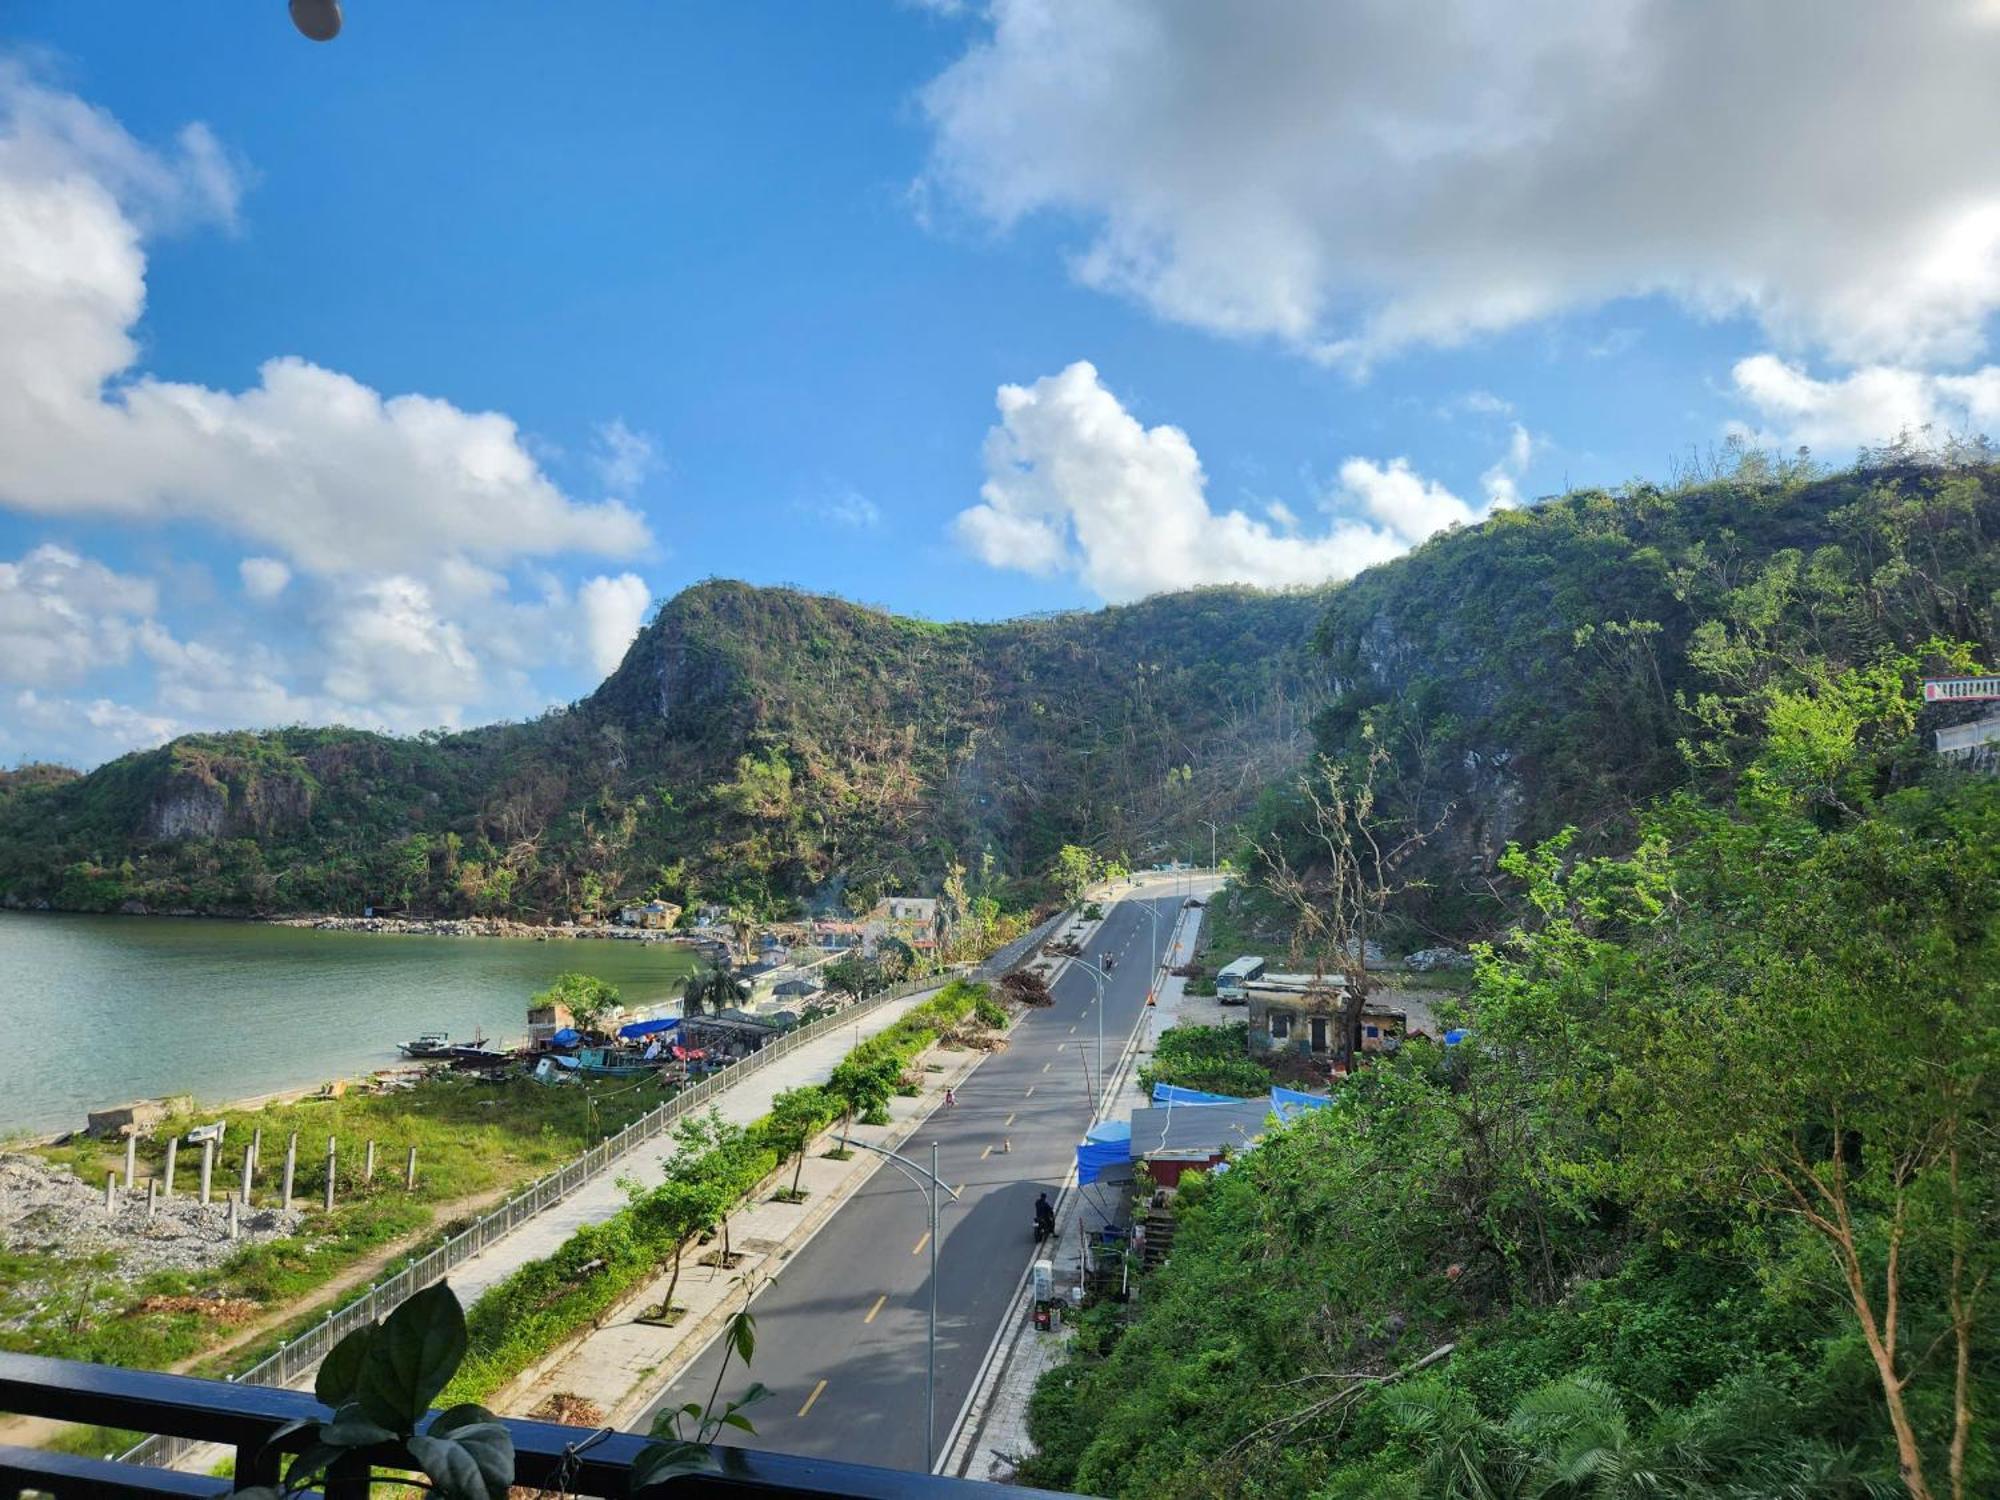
column 1106, row 1147
column 648, row 1028
column 1167, row 1093
column 1456, row 1035
column 569, row 1036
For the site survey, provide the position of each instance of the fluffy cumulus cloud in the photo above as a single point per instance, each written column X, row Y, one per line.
column 613, row 609
column 1359, row 178
column 1873, row 404
column 380, row 528
column 1076, row 484
column 63, row 616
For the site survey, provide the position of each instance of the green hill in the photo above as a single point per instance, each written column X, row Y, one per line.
column 756, row 744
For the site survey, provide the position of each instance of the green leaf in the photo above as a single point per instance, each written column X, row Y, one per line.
column 731, row 1419
column 475, row 1463
column 465, row 1414
column 312, row 1463
column 659, row 1462
column 340, row 1372
column 412, row 1358
column 743, row 1335
column 351, row 1427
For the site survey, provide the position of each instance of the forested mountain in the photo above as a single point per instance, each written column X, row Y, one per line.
column 756, row 745
column 1558, row 665
column 1563, row 663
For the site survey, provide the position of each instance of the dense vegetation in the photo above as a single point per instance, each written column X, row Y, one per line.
column 1709, row 1205
column 1561, row 665
column 756, row 745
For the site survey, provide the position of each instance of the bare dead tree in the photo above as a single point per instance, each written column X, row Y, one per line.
column 1339, row 899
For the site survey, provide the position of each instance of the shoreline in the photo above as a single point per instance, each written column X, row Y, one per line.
column 455, row 927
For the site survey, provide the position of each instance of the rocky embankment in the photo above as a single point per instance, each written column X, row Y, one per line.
column 499, row 927
column 47, row 1210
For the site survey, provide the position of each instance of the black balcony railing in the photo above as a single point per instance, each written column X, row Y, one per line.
column 242, row 1418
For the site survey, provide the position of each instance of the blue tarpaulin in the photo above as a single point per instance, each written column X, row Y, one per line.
column 1456, row 1035
column 1167, row 1093
column 1106, row 1146
column 1287, row 1103
column 569, row 1036
column 647, row 1028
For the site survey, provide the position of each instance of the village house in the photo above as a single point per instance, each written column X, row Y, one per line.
column 1301, row 1012
column 655, row 914
column 915, row 920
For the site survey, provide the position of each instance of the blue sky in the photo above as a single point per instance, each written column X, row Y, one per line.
column 748, row 282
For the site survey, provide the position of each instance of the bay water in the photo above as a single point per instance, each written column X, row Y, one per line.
column 99, row 1010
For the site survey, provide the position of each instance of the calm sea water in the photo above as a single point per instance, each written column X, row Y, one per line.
column 98, row 1010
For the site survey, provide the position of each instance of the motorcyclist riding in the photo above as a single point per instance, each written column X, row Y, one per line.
column 1045, row 1219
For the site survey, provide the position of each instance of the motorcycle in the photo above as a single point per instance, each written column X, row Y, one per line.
column 1045, row 1229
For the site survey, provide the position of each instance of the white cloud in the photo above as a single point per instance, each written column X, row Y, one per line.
column 1359, row 178
column 395, row 529
column 1874, row 404
column 624, row 458
column 849, row 507
column 309, row 462
column 1498, row 481
column 63, row 616
column 263, row 577
column 1074, row 483
column 613, row 609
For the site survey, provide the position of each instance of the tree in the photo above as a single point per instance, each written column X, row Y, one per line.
column 673, row 1214
column 797, row 1115
column 1800, row 1006
column 1339, row 893
column 1076, row 868
column 717, row 989
column 588, row 999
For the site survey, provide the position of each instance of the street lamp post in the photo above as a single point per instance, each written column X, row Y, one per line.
column 928, row 1181
column 1211, row 843
column 1097, row 977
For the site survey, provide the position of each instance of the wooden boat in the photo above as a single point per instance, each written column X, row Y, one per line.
column 614, row 1062
column 432, row 1044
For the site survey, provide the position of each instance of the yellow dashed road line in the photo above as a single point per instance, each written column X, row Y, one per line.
column 812, row 1398
column 875, row 1309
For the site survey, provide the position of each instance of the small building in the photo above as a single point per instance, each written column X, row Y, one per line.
column 661, row 915
column 1305, row 1018
column 1178, row 1138
column 915, row 920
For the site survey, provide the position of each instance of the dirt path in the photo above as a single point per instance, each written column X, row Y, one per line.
column 34, row 1432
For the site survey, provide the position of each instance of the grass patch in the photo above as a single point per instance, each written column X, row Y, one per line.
column 472, row 1138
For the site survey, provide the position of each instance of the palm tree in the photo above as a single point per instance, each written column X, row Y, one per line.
column 1580, row 1445
column 1464, row 1455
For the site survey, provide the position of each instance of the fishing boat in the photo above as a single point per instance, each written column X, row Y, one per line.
column 434, row 1044
column 614, row 1062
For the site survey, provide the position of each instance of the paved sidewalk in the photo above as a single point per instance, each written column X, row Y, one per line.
column 616, row 1364
column 993, row 1437
column 597, row 1201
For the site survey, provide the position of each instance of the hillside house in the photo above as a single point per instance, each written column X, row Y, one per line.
column 915, row 920
column 654, row 914
column 1301, row 1013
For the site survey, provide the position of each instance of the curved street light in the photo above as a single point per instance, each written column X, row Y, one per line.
column 928, row 1180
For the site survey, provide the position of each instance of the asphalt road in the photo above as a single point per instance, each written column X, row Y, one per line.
column 841, row 1331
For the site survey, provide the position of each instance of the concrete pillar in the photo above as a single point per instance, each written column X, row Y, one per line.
column 291, row 1167
column 207, row 1166
column 111, row 1192
column 368, row 1166
column 330, row 1164
column 410, row 1172
column 152, row 1196
column 233, row 1226
column 249, row 1165
column 256, row 1154
column 131, row 1160
column 173, row 1150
